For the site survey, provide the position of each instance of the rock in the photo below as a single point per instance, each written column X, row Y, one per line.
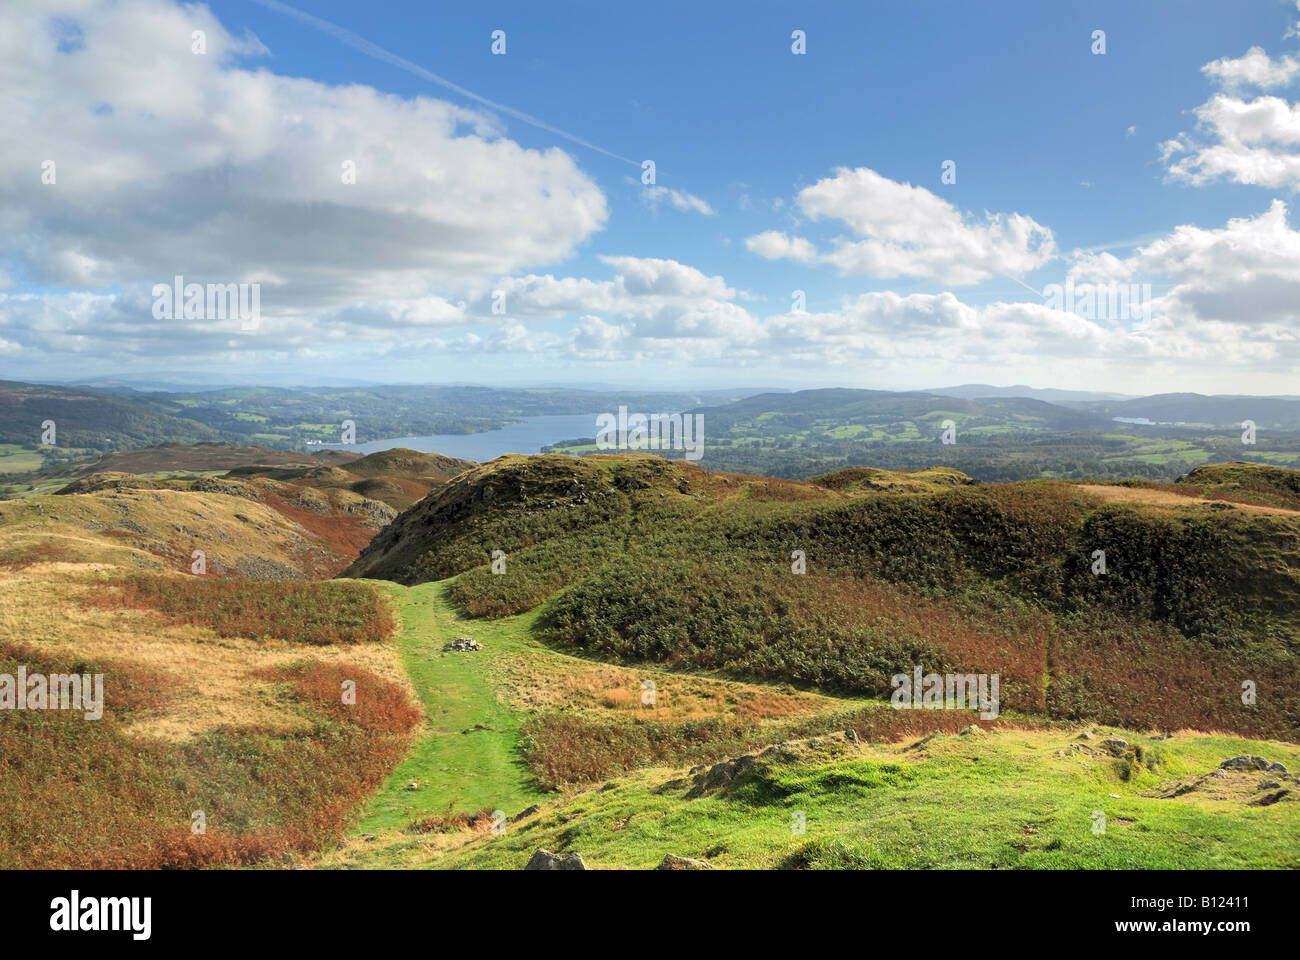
column 973, row 730
column 545, row 860
column 463, row 644
column 413, row 785
column 1246, row 762
column 721, row 774
column 1270, row 785
column 782, row 751
column 1242, row 762
column 1269, row 799
column 697, row 770
column 1086, row 735
column 1116, row 745
column 525, row 813
column 851, row 736
column 673, row 862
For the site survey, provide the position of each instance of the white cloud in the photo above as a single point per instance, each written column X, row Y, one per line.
column 905, row 230
column 1255, row 69
column 170, row 162
column 680, row 200
column 1245, row 275
column 1245, row 141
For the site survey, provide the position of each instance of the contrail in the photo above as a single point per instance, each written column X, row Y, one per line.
column 379, row 53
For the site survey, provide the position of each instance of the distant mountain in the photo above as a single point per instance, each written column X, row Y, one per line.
column 200, row 457
column 94, row 419
column 1194, row 409
column 974, row 391
column 772, row 415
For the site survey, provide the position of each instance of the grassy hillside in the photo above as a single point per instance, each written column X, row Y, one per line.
column 655, row 677
column 953, row 576
column 1006, row 800
column 220, row 697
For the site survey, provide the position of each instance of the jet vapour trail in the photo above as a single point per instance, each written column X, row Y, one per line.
column 379, row 53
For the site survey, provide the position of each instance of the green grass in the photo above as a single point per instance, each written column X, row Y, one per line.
column 15, row 458
column 466, row 771
column 1005, row 801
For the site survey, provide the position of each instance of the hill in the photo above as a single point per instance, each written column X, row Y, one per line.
column 970, row 578
column 268, row 529
column 411, row 464
column 995, row 439
column 398, row 477
column 1194, row 409
column 202, row 457
column 93, row 419
column 715, row 649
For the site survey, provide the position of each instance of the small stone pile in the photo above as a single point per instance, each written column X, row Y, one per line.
column 463, row 643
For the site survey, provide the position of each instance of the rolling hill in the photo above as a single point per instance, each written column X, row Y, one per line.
column 714, row 651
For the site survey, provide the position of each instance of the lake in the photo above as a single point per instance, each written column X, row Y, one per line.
column 527, row 436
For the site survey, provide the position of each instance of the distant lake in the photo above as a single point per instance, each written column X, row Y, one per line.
column 529, row 435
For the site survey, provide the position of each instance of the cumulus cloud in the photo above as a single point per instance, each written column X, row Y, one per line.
column 661, row 299
column 1255, row 69
column 1231, row 299
column 903, row 230
column 169, row 162
column 1253, row 141
column 1244, row 275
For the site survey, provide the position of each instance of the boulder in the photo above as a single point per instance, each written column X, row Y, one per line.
column 673, row 862
column 1247, row 762
column 545, row 860
column 463, row 644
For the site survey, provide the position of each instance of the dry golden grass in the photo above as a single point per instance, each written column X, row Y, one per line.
column 1165, row 498
column 540, row 680
column 149, row 529
column 46, row 606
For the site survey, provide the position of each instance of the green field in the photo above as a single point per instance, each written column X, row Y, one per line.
column 1008, row 798
column 466, row 757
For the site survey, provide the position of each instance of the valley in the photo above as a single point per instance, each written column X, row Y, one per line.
column 656, row 676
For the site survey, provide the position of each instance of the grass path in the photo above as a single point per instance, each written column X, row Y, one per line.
column 466, row 756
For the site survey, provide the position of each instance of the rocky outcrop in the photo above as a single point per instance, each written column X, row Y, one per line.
column 463, row 644
column 545, row 860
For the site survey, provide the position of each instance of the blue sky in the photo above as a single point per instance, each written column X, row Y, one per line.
column 775, row 172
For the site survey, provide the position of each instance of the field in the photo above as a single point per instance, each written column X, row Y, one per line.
column 655, row 677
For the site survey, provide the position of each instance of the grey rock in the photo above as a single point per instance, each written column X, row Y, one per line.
column 463, row 644
column 545, row 860
column 525, row 813
column 673, row 862
column 1245, row 762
